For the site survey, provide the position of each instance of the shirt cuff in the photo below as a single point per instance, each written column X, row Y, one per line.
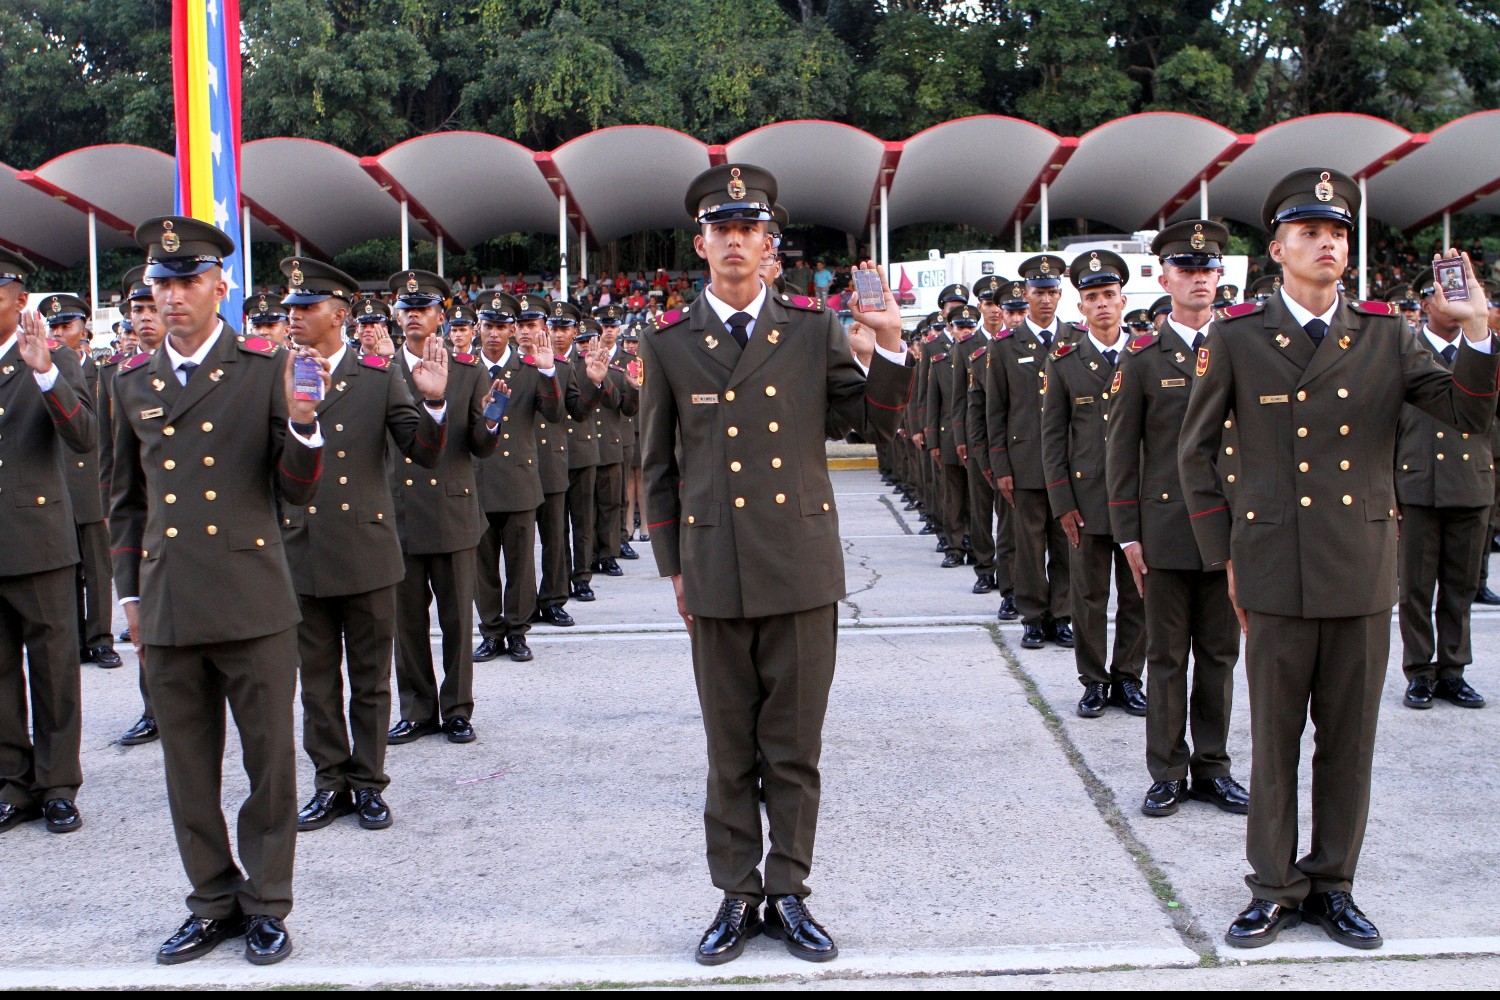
column 439, row 413
column 315, row 440
column 47, row 379
column 129, row 600
column 894, row 357
column 1485, row 346
column 548, row 372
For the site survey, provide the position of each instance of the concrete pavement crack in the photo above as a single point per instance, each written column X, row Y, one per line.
column 900, row 521
column 872, row 574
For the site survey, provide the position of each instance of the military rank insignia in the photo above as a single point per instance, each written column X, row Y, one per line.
column 1202, row 362
column 1043, row 390
column 1114, row 384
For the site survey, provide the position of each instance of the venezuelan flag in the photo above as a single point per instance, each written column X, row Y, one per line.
column 206, row 91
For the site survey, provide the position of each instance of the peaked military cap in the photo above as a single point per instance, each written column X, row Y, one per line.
column 1013, row 295
column 62, row 308
column 312, row 281
column 1045, row 270
column 780, row 219
column 177, row 246
column 1264, row 287
column 1138, row 319
column 632, row 333
column 1098, row 267
column 937, row 320
column 560, row 313
column 987, row 287
column 1161, row 306
column 610, row 315
column 588, row 328
column 1314, row 193
column 1227, row 295
column 953, row 293
column 460, row 314
column 133, row 285
column 264, row 310
column 732, row 191
column 532, row 306
column 964, row 315
column 418, row 289
column 14, row 267
column 1405, row 296
column 1196, row 243
column 368, row 309
column 498, row 307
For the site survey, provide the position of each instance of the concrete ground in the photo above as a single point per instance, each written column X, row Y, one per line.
column 975, row 833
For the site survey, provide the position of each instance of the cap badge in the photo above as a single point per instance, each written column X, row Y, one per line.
column 1044, row 265
column 557, row 309
column 170, row 241
column 1324, row 188
column 1094, row 264
column 411, row 283
column 1198, row 242
column 296, row 273
column 56, row 306
column 736, row 185
column 369, row 307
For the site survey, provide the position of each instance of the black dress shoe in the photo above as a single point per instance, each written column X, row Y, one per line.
column 983, row 583
column 1457, row 691
column 1127, row 694
column 488, row 649
column 104, row 656
column 1008, row 612
column 1224, row 792
column 582, row 591
column 197, row 937
column 13, row 815
column 266, row 940
column 597, row 566
column 1091, row 705
column 458, row 729
column 323, row 808
column 516, row 648
column 942, row 544
column 553, row 614
column 913, row 505
column 1259, row 923
column 1163, row 797
column 626, row 552
column 612, row 568
column 736, row 922
column 1419, row 692
column 928, row 529
column 373, row 813
column 144, row 731
column 1062, row 632
column 1034, row 635
column 953, row 559
column 1341, row 920
column 1486, row 596
column 124, row 636
column 642, row 536
column 62, row 816
column 407, row 731
column 787, row 920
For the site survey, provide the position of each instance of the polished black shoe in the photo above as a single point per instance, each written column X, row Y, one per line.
column 582, row 592
column 953, row 559
column 459, row 730
column 1033, row 636
column 597, row 566
column 1419, row 692
column 1259, row 923
column 516, row 648
column 407, row 731
column 1127, row 694
column 626, row 552
column 1091, row 705
column 14, row 815
column 928, row 529
column 984, row 583
column 736, row 922
column 912, row 505
column 1341, row 920
column 942, row 544
column 642, row 536
column 1457, row 691
column 371, row 809
column 197, row 937
column 787, row 920
column 266, row 940
column 323, row 808
column 612, row 568
column 124, row 636
column 1486, row 596
column 62, row 816
column 489, row 648
column 1163, row 797
column 1224, row 792
column 553, row 614
column 1062, row 632
column 144, row 731
column 1008, row 612
column 104, row 656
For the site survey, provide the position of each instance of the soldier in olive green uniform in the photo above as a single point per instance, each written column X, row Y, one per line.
column 950, row 477
column 588, row 391
column 1015, row 378
column 993, row 542
column 745, row 525
column 1187, row 606
column 609, row 478
column 935, row 342
column 1445, row 483
column 204, row 440
column 631, row 512
column 459, row 325
column 266, row 318
column 1081, row 378
column 1317, row 384
column 49, row 419
column 552, row 441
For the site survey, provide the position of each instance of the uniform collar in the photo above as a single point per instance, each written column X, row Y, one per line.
column 1302, row 315
column 198, row 355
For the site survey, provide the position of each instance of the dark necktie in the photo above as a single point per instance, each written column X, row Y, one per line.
column 1449, row 353
column 1317, row 330
column 1197, row 340
column 495, row 370
column 1110, row 356
column 1046, row 338
column 737, row 324
column 187, row 370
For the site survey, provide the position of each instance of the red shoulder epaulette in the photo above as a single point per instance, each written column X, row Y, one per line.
column 1003, row 334
column 670, row 318
column 136, row 362
column 1243, row 309
column 1063, row 351
column 258, row 345
column 965, row 337
column 617, row 368
column 940, row 357
column 1142, row 342
column 466, row 359
column 1372, row 308
column 928, row 338
column 802, row 302
column 375, row 361
column 53, row 345
column 113, row 359
column 979, row 353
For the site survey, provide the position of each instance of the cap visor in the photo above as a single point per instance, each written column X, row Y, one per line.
column 179, row 268
column 1196, row 261
column 416, row 301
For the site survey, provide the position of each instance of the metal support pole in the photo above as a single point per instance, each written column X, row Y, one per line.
column 583, row 256
column 297, row 246
column 562, row 244
column 245, row 247
column 1203, row 197
column 93, row 269
column 874, row 240
column 1046, row 219
column 440, row 255
column 1018, row 234
column 405, row 238
column 1161, row 221
column 885, row 230
column 1447, row 231
column 1364, row 242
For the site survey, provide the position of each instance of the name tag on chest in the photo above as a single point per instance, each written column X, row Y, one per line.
column 153, row 413
column 1173, row 383
column 1081, row 400
column 1025, row 361
column 1283, row 398
column 705, row 397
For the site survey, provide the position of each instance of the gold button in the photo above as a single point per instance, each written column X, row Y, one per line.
column 770, row 390
column 171, row 532
column 379, row 516
column 1343, row 394
column 208, row 460
column 169, row 430
column 343, row 506
column 1466, row 458
column 1405, row 467
column 1344, row 465
column 775, row 463
column 542, row 426
column 1104, row 395
column 1466, row 437
column 466, row 489
column 729, row 396
column 544, row 440
column 80, row 465
column 408, row 482
column 408, row 461
column 170, row 498
column 1348, row 500
column 41, row 500
column 1344, row 429
column 734, row 432
column 1231, row 477
column 212, row 529
column 1440, row 456
column 1078, row 474
column 1249, row 515
column 312, row 510
column 505, row 420
column 734, row 467
column 260, row 542
column 1165, row 497
column 1106, row 416
column 1440, row 435
column 210, row 495
column 773, row 427
column 1302, row 432
column 343, row 480
column 506, row 436
column 503, row 454
column 1301, row 395
column 781, row 498
column 338, row 427
column 1303, row 466
column 432, row 481
column 739, row 501
column 1229, row 451
column 169, row 465
column 207, row 426
column 1307, row 501
column 341, row 454
column 826, row 507
column 691, row 519
column 1228, row 424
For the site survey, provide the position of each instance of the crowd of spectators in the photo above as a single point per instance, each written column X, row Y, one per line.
column 1396, row 262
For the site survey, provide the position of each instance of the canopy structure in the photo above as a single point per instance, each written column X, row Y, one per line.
column 987, row 171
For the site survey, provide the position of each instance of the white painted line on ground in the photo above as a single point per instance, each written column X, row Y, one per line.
column 1325, row 948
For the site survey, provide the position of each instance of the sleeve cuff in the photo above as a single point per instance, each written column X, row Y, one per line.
column 438, row 413
column 129, row 600
column 894, row 357
column 1485, row 346
column 313, row 440
column 47, row 379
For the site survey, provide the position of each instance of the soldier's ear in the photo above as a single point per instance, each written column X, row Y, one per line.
column 1275, row 250
column 699, row 247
